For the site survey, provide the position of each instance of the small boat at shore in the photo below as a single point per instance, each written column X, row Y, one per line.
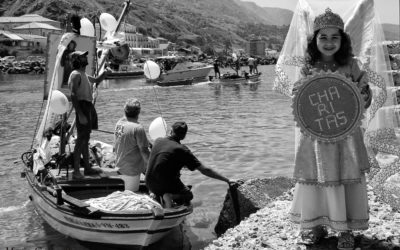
column 175, row 83
column 229, row 78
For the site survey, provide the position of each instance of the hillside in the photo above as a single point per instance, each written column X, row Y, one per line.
column 391, row 31
column 272, row 16
column 203, row 23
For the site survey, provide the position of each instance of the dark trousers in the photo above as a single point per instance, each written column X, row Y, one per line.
column 83, row 134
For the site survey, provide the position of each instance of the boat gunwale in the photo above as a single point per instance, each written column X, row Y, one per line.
column 99, row 213
column 185, row 70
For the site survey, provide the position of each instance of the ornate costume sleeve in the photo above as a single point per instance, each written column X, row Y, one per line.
column 361, row 77
column 304, row 71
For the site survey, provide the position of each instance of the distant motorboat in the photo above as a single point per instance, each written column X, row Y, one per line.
column 175, row 69
column 126, row 71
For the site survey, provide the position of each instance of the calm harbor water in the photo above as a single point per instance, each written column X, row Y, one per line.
column 242, row 131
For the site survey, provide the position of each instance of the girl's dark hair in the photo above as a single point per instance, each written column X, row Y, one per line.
column 342, row 56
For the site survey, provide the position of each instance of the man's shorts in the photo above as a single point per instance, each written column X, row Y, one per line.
column 178, row 188
column 90, row 113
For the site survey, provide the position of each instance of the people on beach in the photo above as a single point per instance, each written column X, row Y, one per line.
column 255, row 69
column 236, row 65
column 167, row 158
column 66, row 62
column 216, row 68
column 82, row 94
column 331, row 184
column 250, row 63
column 131, row 146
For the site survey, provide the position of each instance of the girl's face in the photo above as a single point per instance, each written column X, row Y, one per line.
column 328, row 42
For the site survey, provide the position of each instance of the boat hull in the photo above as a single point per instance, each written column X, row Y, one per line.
column 118, row 228
column 197, row 74
column 124, row 75
column 175, row 83
column 249, row 78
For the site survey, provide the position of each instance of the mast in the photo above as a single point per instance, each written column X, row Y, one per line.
column 121, row 17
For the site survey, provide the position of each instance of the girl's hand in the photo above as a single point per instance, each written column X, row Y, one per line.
column 367, row 94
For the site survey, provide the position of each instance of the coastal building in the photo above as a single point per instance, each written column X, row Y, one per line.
column 26, row 34
column 22, row 41
column 34, row 28
column 10, row 22
column 255, row 46
column 271, row 53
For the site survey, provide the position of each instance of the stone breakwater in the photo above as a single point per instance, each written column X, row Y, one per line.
column 270, row 228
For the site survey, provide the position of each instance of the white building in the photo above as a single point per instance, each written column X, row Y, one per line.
column 40, row 29
column 8, row 23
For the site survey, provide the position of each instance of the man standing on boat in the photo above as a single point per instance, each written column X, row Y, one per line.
column 216, row 68
column 81, row 88
column 250, row 63
column 167, row 157
column 131, row 146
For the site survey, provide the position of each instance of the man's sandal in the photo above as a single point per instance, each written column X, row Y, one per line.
column 345, row 241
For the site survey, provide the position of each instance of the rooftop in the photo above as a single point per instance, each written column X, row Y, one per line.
column 9, row 35
column 28, row 18
column 35, row 25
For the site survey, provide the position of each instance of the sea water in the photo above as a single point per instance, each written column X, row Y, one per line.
column 242, row 131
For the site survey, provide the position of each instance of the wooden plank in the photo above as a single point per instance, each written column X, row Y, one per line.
column 75, row 202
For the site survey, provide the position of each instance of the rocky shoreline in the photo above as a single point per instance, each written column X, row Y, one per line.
column 270, row 228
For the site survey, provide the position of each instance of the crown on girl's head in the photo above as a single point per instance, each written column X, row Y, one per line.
column 328, row 20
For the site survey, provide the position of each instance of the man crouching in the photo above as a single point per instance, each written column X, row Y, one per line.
column 167, row 157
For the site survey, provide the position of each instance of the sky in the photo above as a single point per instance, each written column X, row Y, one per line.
column 388, row 9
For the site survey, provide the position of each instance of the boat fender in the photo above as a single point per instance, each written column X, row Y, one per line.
column 58, row 194
column 158, row 212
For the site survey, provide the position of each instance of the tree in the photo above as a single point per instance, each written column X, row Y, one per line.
column 209, row 50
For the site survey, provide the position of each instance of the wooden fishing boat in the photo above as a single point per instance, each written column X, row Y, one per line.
column 235, row 79
column 62, row 204
column 67, row 204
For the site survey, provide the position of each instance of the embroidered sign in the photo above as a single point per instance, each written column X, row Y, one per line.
column 328, row 106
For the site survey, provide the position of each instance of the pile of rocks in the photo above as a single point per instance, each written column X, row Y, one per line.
column 270, row 228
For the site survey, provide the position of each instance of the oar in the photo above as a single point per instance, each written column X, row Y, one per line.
column 104, row 131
